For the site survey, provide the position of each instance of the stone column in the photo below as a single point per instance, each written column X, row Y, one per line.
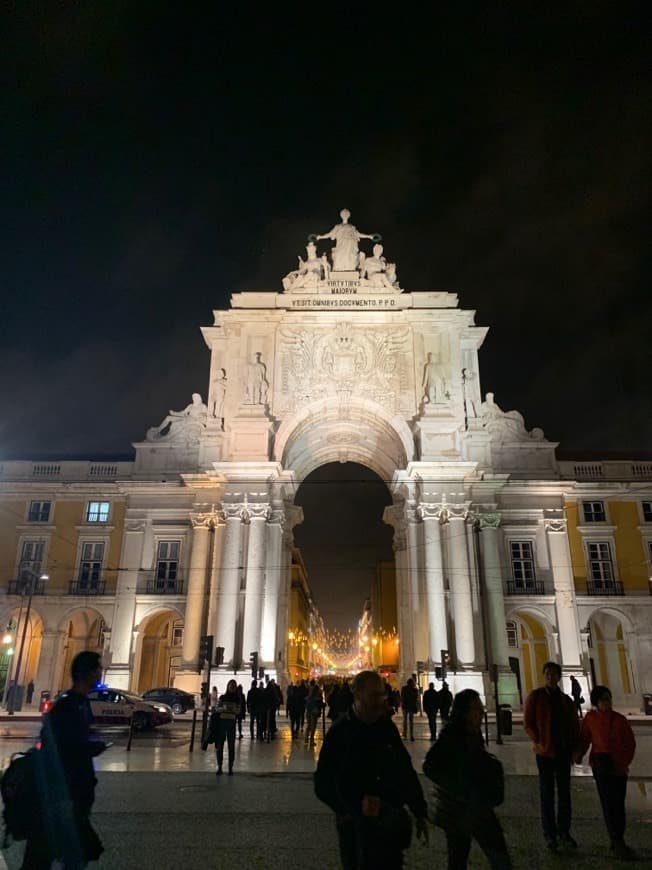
column 273, row 569
column 227, row 606
column 431, row 515
column 489, row 524
column 48, row 677
column 460, row 586
column 568, row 626
column 418, row 622
column 406, row 642
column 196, row 595
column 219, row 534
column 258, row 514
column 119, row 669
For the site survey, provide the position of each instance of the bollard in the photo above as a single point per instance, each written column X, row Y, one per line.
column 131, row 733
column 204, row 730
column 192, row 731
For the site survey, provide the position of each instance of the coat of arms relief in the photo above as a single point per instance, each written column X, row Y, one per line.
column 345, row 362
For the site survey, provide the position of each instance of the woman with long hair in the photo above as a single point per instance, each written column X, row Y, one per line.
column 612, row 743
column 469, row 783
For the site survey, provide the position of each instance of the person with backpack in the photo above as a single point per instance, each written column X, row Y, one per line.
column 65, row 776
column 469, row 783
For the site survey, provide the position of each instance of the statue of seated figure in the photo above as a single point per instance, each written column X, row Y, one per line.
column 310, row 270
column 377, row 270
column 181, row 427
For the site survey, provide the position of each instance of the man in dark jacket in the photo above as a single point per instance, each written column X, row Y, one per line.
column 430, row 707
column 445, row 698
column 550, row 721
column 365, row 776
column 410, row 705
column 66, row 775
column 255, row 710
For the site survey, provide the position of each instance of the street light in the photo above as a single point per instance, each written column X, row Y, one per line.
column 33, row 577
column 8, row 651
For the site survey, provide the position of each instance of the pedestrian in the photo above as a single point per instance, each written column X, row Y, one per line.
column 612, row 743
column 365, row 775
column 314, row 707
column 215, row 696
column 294, row 702
column 551, row 723
column 469, row 783
column 410, row 705
column 345, row 699
column 255, row 709
column 66, row 776
column 576, row 692
column 302, row 691
column 333, row 705
column 242, row 715
column 430, row 707
column 222, row 725
column 30, row 691
column 445, row 699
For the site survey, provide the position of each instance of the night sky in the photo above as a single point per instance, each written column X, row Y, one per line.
column 156, row 158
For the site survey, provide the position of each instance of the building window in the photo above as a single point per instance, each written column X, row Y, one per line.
column 39, row 512
column 31, row 559
column 522, row 564
column 594, row 512
column 177, row 633
column 167, row 564
column 90, row 568
column 512, row 634
column 600, row 565
column 647, row 511
column 97, row 512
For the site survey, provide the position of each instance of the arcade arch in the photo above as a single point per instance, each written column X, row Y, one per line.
column 158, row 650
column 530, row 647
column 83, row 629
column 609, row 655
column 13, row 627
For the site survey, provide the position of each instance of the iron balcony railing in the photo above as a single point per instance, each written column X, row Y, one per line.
column 20, row 587
column 164, row 587
column 82, row 587
column 604, row 587
column 534, row 587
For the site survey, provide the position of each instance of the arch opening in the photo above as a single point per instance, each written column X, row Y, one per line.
column 159, row 650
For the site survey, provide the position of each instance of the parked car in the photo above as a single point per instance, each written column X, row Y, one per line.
column 115, row 707
column 177, row 699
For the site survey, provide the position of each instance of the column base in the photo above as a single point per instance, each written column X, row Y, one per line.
column 118, row 677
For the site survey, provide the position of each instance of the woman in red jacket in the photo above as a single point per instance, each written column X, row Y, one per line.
column 612, row 749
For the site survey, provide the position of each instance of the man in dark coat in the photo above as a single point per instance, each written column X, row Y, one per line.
column 445, row 698
column 430, row 707
column 410, row 705
column 255, row 708
column 550, row 721
column 365, row 776
column 66, row 775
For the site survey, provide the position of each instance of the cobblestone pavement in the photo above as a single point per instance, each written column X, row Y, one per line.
column 160, row 806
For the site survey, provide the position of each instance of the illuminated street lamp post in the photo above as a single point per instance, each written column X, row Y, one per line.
column 8, row 651
column 33, row 578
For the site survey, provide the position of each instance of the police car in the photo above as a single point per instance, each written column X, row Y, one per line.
column 115, row 707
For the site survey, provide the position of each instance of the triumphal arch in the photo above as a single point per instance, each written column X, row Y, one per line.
column 341, row 363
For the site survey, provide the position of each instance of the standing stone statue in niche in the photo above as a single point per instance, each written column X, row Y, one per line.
column 346, row 238
column 256, row 386
column 182, row 427
column 435, row 389
column 219, row 395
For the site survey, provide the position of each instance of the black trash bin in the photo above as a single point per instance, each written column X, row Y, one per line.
column 647, row 705
column 505, row 719
column 45, row 696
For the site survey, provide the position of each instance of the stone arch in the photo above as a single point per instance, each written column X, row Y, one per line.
column 158, row 648
column 83, row 628
column 610, row 657
column 14, row 626
column 535, row 647
column 353, row 431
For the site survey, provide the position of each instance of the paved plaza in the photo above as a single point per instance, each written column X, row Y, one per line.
column 161, row 806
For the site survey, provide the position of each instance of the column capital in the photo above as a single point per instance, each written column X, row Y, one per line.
column 233, row 510
column 258, row 511
column 488, row 520
column 202, row 520
column 431, row 511
column 458, row 511
column 277, row 518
